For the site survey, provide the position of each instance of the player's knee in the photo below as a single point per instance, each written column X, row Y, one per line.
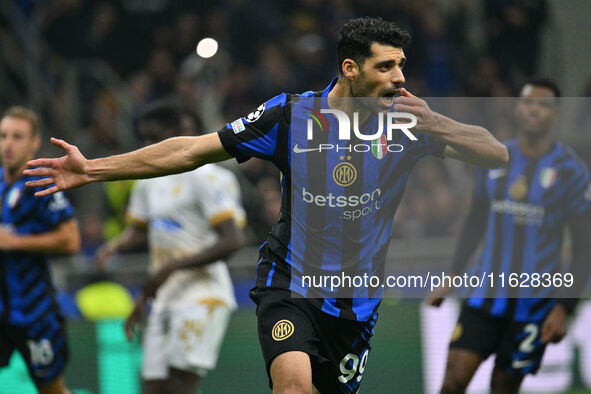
column 293, row 386
column 502, row 383
column 291, row 373
column 456, row 380
column 180, row 381
column 461, row 366
column 57, row 386
column 454, row 384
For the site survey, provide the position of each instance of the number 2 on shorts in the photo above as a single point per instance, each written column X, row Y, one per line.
column 526, row 345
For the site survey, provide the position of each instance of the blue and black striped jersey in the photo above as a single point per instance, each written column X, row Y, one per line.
column 529, row 203
column 337, row 208
column 26, row 289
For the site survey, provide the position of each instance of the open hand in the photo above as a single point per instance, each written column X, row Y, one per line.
column 427, row 120
column 61, row 173
column 554, row 326
column 437, row 296
column 134, row 321
column 103, row 254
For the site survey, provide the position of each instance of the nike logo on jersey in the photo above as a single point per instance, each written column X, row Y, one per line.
column 297, row 149
column 518, row 364
column 497, row 173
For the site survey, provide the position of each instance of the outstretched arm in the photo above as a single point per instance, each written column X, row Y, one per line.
column 171, row 156
column 133, row 235
column 472, row 144
column 230, row 240
column 554, row 327
column 65, row 238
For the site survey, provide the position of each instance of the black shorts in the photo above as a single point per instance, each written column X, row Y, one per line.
column 517, row 345
column 42, row 344
column 338, row 348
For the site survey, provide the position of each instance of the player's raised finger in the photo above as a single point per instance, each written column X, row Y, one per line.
column 61, row 143
column 406, row 93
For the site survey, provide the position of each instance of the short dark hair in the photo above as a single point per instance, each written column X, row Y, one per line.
column 544, row 82
column 165, row 114
column 358, row 34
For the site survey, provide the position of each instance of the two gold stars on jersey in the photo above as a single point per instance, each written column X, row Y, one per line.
column 344, row 173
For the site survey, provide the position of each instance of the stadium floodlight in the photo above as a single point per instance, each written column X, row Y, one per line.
column 207, row 48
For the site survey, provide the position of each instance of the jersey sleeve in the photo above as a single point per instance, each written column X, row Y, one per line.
column 255, row 135
column 579, row 191
column 55, row 209
column 218, row 194
column 578, row 221
column 138, row 210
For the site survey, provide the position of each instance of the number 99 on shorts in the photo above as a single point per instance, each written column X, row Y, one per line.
column 352, row 365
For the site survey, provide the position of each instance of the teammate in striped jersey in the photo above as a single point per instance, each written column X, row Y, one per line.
column 319, row 344
column 30, row 317
column 521, row 211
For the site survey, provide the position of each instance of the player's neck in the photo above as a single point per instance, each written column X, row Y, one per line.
column 341, row 89
column 534, row 146
column 14, row 173
column 341, row 97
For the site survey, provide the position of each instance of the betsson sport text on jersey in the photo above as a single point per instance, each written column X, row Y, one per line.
column 367, row 201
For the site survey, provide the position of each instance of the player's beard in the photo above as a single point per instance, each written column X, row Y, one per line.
column 369, row 98
column 535, row 131
column 536, row 135
column 358, row 88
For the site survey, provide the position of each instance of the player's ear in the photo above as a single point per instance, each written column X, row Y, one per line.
column 350, row 69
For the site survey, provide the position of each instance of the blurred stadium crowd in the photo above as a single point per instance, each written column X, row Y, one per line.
column 90, row 67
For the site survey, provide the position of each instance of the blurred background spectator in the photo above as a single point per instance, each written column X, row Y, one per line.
column 91, row 66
